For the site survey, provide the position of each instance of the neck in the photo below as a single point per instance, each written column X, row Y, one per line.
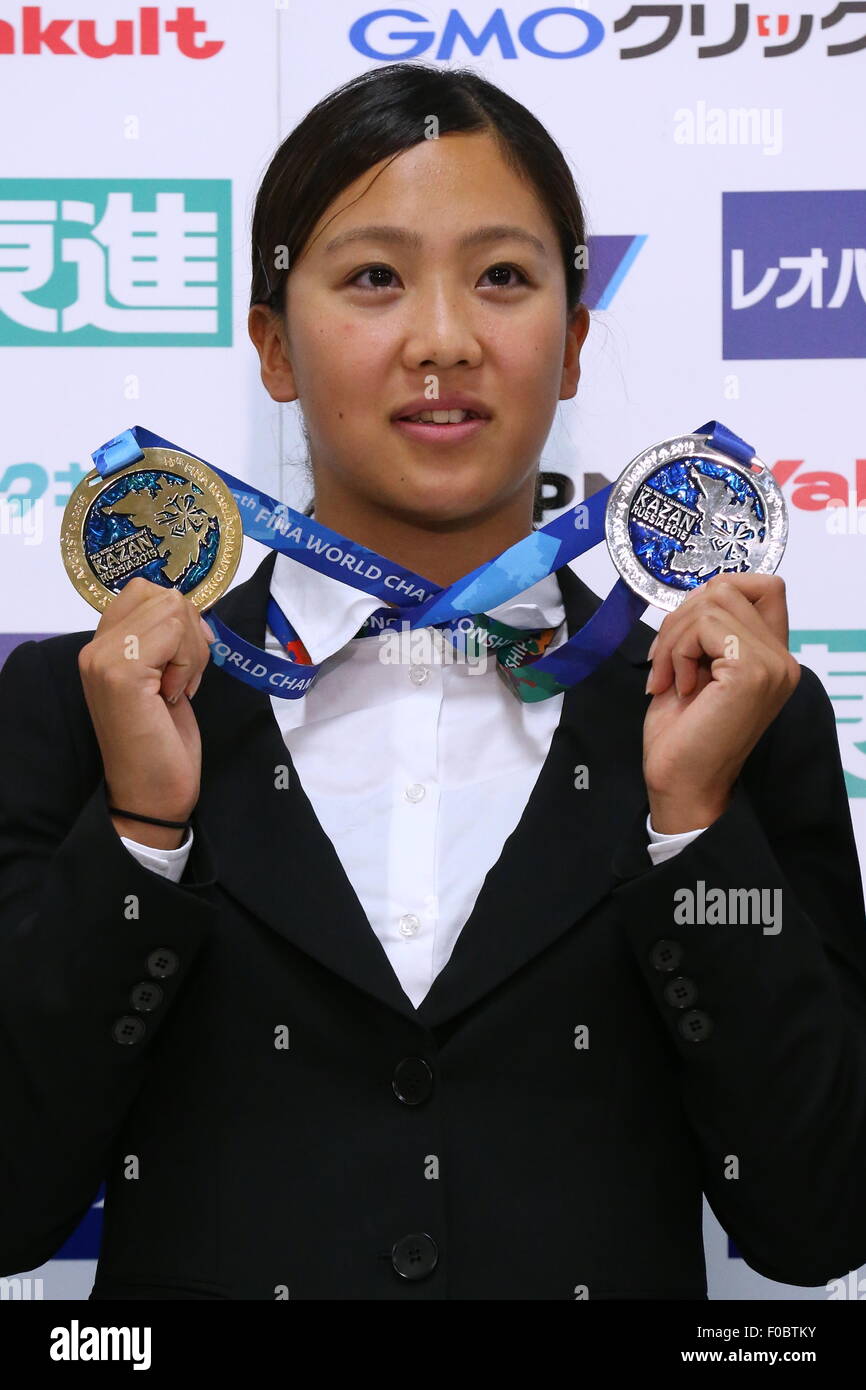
column 441, row 551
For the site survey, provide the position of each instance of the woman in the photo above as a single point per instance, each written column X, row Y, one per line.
column 399, row 1005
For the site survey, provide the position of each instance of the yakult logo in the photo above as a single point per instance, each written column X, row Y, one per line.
column 140, row 36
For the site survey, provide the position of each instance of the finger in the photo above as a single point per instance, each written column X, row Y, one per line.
column 764, row 603
column 702, row 676
column 171, row 656
column 773, row 607
column 728, row 593
column 748, row 619
column 713, row 633
column 765, row 593
column 690, row 668
column 174, row 646
column 167, row 637
column 137, row 597
column 135, row 593
column 667, row 667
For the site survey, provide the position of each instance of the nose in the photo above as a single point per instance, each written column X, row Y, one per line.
column 441, row 331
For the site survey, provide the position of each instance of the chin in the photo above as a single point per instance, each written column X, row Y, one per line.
column 442, row 504
column 451, row 487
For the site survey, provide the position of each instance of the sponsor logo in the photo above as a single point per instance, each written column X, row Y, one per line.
column 794, row 274
column 34, row 35
column 563, row 31
column 838, row 658
column 609, row 260
column 818, row 489
column 105, row 262
column 375, row 36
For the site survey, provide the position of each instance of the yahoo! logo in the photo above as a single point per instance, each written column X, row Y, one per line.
column 411, row 43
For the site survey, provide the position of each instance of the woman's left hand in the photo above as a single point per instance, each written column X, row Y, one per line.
column 726, row 649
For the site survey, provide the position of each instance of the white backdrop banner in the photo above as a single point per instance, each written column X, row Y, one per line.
column 717, row 151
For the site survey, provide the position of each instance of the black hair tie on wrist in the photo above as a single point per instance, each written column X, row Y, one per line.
column 150, row 820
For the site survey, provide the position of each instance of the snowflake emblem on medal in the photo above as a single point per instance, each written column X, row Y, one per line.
column 683, row 511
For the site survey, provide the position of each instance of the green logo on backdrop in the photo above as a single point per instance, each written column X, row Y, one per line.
column 839, row 659
column 112, row 262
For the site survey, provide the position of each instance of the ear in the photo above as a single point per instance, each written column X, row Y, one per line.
column 578, row 327
column 268, row 333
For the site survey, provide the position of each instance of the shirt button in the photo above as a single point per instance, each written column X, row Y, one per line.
column 409, row 924
column 418, row 674
column 414, row 792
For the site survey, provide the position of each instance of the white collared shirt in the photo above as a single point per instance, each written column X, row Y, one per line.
column 388, row 754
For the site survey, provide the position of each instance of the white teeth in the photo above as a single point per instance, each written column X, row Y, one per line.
column 441, row 417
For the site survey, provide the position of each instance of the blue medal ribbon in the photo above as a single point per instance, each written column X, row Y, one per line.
column 423, row 603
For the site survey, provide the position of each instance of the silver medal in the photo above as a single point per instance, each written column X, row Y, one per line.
column 682, row 511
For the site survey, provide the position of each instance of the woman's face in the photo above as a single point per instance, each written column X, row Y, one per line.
column 406, row 306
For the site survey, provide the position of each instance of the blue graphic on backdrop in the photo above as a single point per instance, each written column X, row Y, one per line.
column 609, row 261
column 585, row 34
column 794, row 274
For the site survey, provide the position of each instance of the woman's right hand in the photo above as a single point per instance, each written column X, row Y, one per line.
column 139, row 670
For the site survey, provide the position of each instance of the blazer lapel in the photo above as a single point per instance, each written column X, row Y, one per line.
column 271, row 852
column 562, row 858
column 558, row 863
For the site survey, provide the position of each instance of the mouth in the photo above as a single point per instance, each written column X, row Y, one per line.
column 441, row 426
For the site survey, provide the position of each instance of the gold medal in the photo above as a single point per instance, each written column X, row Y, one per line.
column 167, row 517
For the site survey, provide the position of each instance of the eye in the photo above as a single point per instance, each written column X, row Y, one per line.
column 507, row 266
column 378, row 271
column 373, row 270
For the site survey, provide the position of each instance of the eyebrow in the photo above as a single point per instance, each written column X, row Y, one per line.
column 413, row 240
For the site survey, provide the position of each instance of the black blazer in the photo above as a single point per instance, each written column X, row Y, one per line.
column 474, row 1147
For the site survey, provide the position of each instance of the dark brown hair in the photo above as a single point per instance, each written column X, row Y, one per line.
column 379, row 114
